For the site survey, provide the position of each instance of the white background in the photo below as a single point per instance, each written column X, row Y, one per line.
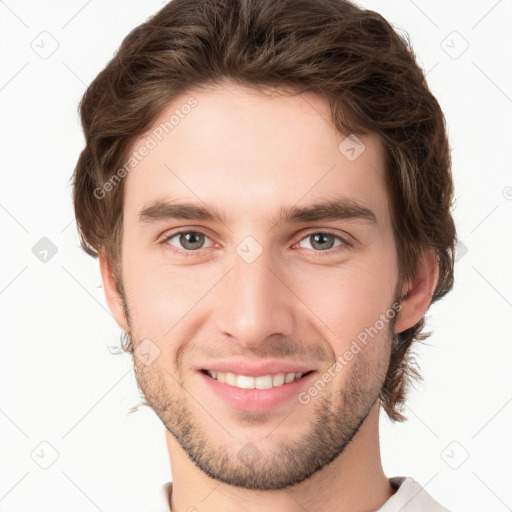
column 61, row 385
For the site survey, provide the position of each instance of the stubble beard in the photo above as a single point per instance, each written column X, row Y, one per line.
column 337, row 417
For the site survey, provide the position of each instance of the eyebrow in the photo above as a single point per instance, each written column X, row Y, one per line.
column 340, row 209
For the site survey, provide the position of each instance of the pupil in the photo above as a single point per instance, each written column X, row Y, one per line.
column 191, row 240
column 320, row 238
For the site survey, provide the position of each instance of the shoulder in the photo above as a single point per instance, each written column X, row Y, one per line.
column 410, row 497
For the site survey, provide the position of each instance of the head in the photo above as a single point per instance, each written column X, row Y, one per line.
column 272, row 118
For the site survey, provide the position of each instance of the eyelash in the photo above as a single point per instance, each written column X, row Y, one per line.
column 345, row 245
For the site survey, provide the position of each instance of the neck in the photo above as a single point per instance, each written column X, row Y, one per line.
column 354, row 481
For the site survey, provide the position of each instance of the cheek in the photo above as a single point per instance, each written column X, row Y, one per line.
column 348, row 299
column 162, row 297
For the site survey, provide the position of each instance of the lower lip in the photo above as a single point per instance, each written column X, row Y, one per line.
column 256, row 399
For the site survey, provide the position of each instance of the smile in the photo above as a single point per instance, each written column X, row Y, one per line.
column 261, row 382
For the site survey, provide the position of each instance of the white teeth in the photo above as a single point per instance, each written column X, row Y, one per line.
column 278, row 380
column 261, row 382
column 230, row 378
column 289, row 377
column 245, row 382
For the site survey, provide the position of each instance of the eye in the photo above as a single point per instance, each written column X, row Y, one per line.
column 322, row 241
column 188, row 241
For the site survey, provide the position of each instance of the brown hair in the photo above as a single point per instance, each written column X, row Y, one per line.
column 353, row 57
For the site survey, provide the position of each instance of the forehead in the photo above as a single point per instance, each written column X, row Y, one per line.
column 246, row 150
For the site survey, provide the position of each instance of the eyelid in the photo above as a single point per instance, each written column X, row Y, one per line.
column 345, row 238
column 181, row 231
column 169, row 233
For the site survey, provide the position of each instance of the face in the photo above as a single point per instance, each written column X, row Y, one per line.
column 235, row 276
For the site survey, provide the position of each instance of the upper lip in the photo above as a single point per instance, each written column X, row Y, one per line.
column 256, row 369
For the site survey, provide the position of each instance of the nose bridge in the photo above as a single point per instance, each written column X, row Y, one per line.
column 254, row 302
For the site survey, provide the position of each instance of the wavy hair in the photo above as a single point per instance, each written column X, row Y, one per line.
column 352, row 57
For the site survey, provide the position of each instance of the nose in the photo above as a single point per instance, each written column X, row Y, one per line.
column 254, row 302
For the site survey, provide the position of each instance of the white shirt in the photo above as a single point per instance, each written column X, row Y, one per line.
column 409, row 497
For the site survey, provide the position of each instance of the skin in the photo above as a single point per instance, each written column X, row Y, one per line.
column 249, row 154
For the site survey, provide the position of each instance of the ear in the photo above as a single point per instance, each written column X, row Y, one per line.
column 417, row 293
column 114, row 300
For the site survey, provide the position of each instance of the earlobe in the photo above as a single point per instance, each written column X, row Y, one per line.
column 114, row 299
column 417, row 293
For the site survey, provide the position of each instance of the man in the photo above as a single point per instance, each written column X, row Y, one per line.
column 267, row 187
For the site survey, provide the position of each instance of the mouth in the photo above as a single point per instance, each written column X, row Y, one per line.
column 268, row 381
column 255, row 393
